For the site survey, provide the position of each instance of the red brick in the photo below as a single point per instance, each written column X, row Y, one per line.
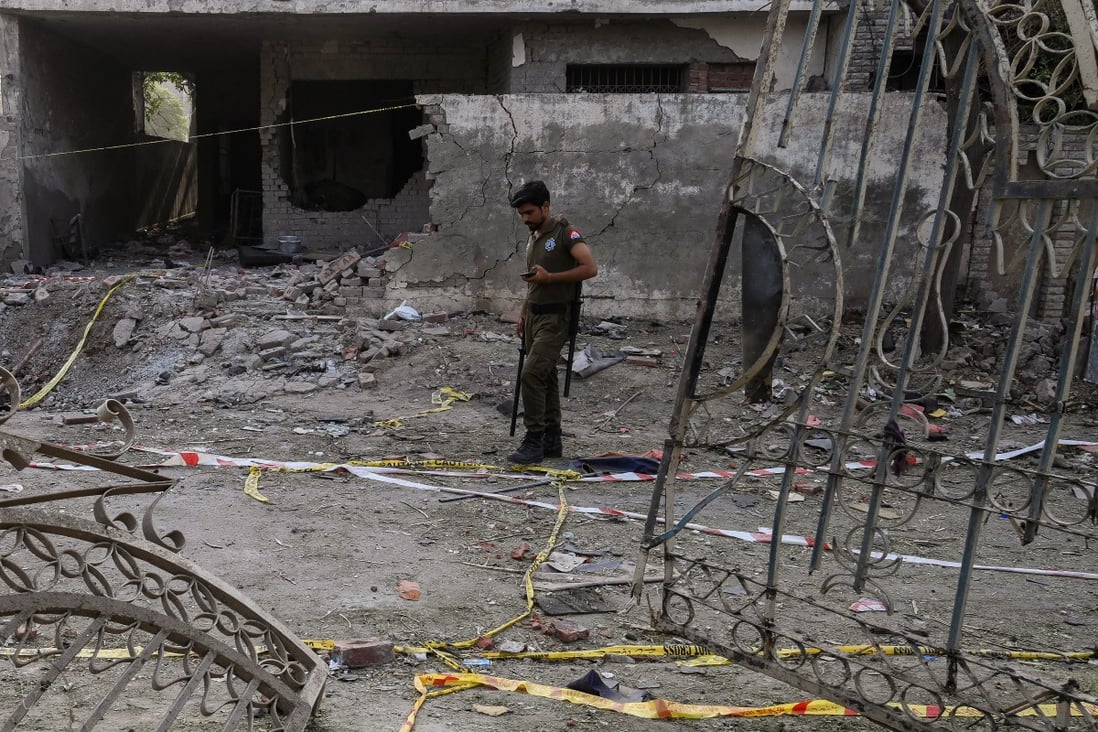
column 568, row 632
column 363, row 652
column 642, row 360
column 808, row 489
column 436, row 318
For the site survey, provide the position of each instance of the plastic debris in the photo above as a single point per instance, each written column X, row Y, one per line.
column 404, row 311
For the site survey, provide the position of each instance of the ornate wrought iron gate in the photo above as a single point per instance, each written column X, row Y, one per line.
column 109, row 607
column 1004, row 67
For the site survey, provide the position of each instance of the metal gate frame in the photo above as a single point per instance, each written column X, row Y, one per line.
column 114, row 596
column 761, row 623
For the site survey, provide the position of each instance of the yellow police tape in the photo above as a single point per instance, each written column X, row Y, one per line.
column 702, row 656
column 432, row 685
column 444, row 398
column 60, row 375
column 444, row 650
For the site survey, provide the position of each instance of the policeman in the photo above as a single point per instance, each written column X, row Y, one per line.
column 557, row 261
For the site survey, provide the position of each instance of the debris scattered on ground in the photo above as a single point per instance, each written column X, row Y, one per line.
column 409, row 590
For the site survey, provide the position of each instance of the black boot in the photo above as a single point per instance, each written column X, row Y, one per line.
column 550, row 444
column 530, row 452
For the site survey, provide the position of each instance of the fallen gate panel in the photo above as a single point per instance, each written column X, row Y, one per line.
column 1009, row 69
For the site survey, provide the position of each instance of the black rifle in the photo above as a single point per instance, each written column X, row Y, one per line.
column 573, row 329
column 518, row 383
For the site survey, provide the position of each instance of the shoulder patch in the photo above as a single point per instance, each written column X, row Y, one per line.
column 574, row 234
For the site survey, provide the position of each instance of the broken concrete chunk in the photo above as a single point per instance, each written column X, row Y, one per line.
column 41, row 294
column 392, row 325
column 367, row 380
column 123, row 331
column 300, row 387
column 210, row 341
column 270, row 354
column 192, row 325
column 16, row 298
column 275, row 338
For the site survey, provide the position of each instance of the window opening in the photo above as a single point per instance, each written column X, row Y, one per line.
column 625, row 78
column 340, row 162
column 163, row 104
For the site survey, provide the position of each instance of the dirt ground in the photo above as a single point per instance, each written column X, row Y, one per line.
column 327, row 553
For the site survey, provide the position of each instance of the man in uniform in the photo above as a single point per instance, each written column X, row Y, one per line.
column 557, row 261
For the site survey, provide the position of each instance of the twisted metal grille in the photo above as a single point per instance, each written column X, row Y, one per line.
column 1008, row 67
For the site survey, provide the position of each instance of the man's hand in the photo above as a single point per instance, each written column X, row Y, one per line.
column 536, row 275
column 520, row 327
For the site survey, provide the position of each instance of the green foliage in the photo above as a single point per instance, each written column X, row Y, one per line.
column 165, row 115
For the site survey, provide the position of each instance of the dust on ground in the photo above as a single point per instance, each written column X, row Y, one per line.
column 248, row 373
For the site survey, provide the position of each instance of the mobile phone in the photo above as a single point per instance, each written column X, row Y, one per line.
column 531, row 273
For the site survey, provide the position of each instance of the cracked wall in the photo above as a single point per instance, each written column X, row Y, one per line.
column 641, row 176
column 547, row 49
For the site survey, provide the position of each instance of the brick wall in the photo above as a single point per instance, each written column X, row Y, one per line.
column 436, row 66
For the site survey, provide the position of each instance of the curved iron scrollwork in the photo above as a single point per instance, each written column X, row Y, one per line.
column 110, row 602
column 897, row 502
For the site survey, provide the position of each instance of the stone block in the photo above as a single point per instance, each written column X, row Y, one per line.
column 363, row 652
column 211, row 340
column 275, row 338
column 270, row 354
column 350, row 292
column 123, row 331
column 367, row 380
column 192, row 325
column 373, row 293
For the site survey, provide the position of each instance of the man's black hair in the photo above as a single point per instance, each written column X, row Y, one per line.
column 535, row 192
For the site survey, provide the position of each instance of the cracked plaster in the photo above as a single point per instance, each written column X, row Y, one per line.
column 642, row 177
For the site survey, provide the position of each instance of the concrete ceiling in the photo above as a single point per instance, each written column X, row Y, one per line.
column 197, row 43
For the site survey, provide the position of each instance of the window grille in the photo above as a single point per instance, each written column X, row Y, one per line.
column 624, row 79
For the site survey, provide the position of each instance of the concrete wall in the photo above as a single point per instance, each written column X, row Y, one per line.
column 548, row 49
column 11, row 171
column 74, row 99
column 642, row 177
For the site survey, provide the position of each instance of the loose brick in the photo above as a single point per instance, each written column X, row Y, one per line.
column 436, row 318
column 337, row 266
column 364, row 652
column 642, row 360
column 568, row 632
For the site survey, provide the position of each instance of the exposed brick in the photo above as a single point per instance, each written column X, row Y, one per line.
column 364, row 652
column 567, row 631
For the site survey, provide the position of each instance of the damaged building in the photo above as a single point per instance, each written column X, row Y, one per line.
column 361, row 127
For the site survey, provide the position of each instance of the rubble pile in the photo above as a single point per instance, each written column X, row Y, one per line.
column 347, row 282
column 983, row 345
column 216, row 333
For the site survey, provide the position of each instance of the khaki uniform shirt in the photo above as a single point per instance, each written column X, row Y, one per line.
column 553, row 251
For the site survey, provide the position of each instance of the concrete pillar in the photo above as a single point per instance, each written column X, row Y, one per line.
column 13, row 244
